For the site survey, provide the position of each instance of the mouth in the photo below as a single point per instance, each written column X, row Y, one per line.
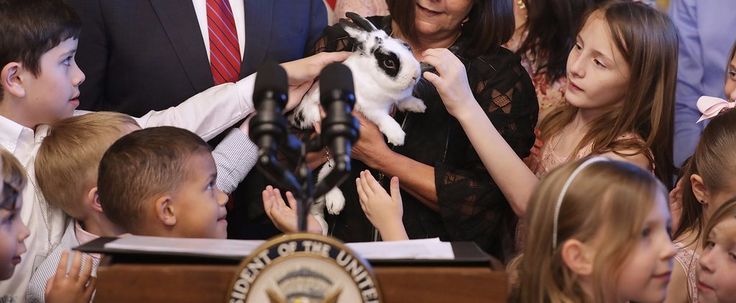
column 572, row 86
column 704, row 287
column 663, row 276
column 16, row 260
column 427, row 11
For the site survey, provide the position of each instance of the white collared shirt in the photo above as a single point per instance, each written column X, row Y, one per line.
column 207, row 114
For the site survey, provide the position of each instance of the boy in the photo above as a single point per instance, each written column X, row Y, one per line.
column 39, row 82
column 66, row 170
column 161, row 182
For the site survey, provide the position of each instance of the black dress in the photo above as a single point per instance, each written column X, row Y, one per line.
column 471, row 206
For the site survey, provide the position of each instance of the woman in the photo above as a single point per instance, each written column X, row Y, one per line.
column 442, row 177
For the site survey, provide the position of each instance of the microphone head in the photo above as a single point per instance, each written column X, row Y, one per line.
column 271, row 80
column 336, row 81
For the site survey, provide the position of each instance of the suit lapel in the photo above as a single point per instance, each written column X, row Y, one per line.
column 258, row 22
column 180, row 24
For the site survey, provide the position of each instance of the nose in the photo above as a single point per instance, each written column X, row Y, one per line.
column 669, row 251
column 706, row 261
column 79, row 76
column 221, row 198
column 23, row 231
column 576, row 65
column 732, row 96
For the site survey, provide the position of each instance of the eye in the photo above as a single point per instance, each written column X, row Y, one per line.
column 388, row 63
column 67, row 61
column 599, row 63
column 578, row 46
column 646, row 232
column 732, row 256
column 732, row 73
column 709, row 244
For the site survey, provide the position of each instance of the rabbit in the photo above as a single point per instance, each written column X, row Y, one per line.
column 384, row 72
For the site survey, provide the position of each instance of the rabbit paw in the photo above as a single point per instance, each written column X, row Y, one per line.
column 412, row 104
column 395, row 136
column 335, row 201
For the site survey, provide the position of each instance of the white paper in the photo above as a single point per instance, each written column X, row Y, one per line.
column 409, row 249
column 206, row 247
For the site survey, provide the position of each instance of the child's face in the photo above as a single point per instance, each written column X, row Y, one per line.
column 596, row 71
column 203, row 204
column 731, row 80
column 12, row 234
column 646, row 271
column 717, row 272
column 53, row 94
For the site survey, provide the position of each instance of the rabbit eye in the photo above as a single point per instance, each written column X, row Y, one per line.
column 390, row 64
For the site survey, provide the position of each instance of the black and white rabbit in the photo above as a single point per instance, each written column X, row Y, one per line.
column 385, row 72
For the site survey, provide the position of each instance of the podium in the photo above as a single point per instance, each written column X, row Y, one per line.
column 131, row 277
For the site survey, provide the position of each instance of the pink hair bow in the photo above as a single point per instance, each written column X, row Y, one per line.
column 712, row 106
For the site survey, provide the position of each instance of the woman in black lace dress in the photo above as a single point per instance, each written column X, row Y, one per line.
column 446, row 190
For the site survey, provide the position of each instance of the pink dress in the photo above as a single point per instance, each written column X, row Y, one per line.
column 688, row 259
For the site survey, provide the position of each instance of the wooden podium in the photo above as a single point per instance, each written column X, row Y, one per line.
column 149, row 278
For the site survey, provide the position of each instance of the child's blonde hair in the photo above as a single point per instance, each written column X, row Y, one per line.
column 647, row 40
column 727, row 210
column 604, row 196
column 13, row 177
column 68, row 159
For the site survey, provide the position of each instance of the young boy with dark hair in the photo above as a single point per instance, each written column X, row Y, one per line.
column 39, row 83
column 161, row 182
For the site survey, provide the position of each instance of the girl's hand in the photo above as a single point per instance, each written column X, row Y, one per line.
column 284, row 217
column 452, row 81
column 676, row 204
column 382, row 210
column 75, row 284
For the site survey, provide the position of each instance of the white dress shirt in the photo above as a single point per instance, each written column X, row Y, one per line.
column 207, row 114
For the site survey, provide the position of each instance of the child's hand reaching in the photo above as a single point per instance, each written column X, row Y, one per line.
column 284, row 217
column 73, row 285
column 382, row 210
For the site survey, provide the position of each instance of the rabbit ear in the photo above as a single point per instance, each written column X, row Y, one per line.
column 362, row 22
column 361, row 37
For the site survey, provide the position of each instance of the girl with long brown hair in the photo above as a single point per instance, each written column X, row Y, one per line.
column 621, row 75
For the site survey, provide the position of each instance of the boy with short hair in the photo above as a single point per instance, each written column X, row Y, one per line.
column 39, row 85
column 161, row 181
column 67, row 167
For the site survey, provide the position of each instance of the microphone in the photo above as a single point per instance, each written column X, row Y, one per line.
column 339, row 128
column 268, row 126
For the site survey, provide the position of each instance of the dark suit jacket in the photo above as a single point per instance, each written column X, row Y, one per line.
column 141, row 55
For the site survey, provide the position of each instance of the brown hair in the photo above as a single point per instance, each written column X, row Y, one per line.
column 647, row 39
column 713, row 159
column 141, row 165
column 727, row 210
column 608, row 196
column 490, row 23
column 14, row 180
column 67, row 161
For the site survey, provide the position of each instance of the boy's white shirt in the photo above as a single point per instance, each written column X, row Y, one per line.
column 207, row 114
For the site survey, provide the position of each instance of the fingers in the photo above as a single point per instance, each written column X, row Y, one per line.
column 90, row 289
column 267, row 200
column 325, row 58
column 366, row 187
column 76, row 265
column 291, row 199
column 374, row 185
column 362, row 196
column 432, row 78
column 395, row 190
column 61, row 267
column 86, row 271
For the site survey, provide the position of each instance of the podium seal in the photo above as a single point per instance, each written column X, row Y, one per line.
column 303, row 268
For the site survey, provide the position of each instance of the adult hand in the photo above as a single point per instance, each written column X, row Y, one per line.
column 383, row 210
column 370, row 148
column 284, row 217
column 301, row 73
column 452, row 81
column 74, row 284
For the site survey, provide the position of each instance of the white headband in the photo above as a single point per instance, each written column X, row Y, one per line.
column 564, row 190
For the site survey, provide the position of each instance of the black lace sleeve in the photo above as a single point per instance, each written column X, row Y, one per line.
column 471, row 204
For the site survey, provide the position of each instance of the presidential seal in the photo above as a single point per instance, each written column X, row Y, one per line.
column 303, row 268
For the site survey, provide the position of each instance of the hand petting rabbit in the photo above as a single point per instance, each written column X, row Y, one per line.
column 385, row 72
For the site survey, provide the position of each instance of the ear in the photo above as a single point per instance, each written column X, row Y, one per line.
column 11, row 80
column 360, row 36
column 92, row 200
column 699, row 189
column 164, row 209
column 578, row 257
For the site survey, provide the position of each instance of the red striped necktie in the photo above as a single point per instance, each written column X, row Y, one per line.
column 224, row 47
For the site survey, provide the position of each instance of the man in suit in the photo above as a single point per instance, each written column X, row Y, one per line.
column 141, row 55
